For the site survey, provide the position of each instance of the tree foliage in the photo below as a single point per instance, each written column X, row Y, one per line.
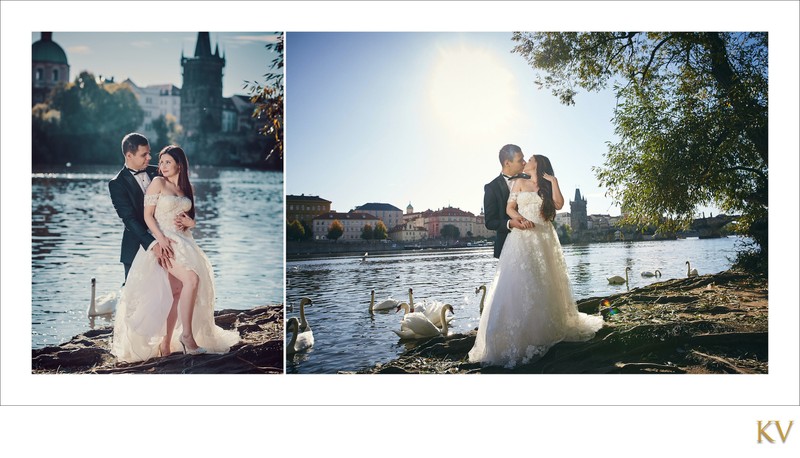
column 450, row 231
column 84, row 121
column 295, row 231
column 691, row 118
column 167, row 130
column 268, row 99
column 367, row 232
column 335, row 230
column 380, row 232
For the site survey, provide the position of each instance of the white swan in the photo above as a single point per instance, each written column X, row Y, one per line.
column 416, row 325
column 617, row 280
column 300, row 340
column 104, row 305
column 304, row 326
column 647, row 273
column 387, row 304
column 689, row 271
column 432, row 311
column 483, row 298
column 364, row 258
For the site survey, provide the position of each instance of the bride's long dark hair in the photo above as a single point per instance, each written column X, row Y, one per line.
column 545, row 187
column 177, row 153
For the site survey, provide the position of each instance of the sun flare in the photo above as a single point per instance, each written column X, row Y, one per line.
column 471, row 91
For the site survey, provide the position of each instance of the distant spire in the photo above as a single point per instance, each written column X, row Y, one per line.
column 216, row 51
column 203, row 48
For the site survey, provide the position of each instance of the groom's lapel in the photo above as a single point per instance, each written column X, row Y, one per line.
column 502, row 187
column 133, row 187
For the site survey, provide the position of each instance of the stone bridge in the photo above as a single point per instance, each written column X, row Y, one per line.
column 711, row 227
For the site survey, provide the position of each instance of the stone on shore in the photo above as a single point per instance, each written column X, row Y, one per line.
column 707, row 324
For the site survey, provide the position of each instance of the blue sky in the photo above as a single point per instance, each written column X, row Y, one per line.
column 420, row 117
column 154, row 57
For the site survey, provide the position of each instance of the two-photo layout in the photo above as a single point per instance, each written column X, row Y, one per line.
column 399, row 203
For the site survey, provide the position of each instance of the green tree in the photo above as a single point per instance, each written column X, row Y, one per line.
column 335, row 230
column 167, row 130
column 268, row 99
column 380, row 232
column 295, row 231
column 449, row 231
column 691, row 119
column 84, row 121
column 366, row 232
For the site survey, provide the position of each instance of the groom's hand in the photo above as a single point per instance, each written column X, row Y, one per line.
column 164, row 253
column 521, row 223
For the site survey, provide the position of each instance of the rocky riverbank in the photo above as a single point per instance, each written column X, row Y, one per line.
column 259, row 352
column 707, row 324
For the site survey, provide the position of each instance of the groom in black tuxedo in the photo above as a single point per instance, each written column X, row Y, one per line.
column 495, row 196
column 127, row 190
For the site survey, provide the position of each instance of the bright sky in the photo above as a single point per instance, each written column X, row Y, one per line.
column 421, row 117
column 155, row 57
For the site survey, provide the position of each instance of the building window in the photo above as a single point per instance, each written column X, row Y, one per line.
column 39, row 74
column 55, row 75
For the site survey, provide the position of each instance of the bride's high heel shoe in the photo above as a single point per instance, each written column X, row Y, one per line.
column 196, row 351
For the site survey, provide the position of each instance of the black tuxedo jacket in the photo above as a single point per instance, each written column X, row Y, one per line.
column 128, row 200
column 495, row 199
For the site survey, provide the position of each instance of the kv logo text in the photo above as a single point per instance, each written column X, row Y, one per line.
column 765, row 429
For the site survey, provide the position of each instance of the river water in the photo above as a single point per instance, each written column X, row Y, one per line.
column 77, row 235
column 347, row 337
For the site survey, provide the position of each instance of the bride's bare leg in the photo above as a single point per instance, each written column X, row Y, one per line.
column 172, row 318
column 188, row 294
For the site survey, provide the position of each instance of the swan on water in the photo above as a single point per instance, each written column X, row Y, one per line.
column 483, row 298
column 647, row 273
column 416, row 325
column 689, row 271
column 104, row 305
column 304, row 326
column 387, row 304
column 617, row 280
column 300, row 340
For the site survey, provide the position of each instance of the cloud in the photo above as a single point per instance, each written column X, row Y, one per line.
column 247, row 39
column 142, row 44
column 81, row 49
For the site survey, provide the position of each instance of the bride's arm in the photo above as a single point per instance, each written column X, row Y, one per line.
column 163, row 246
column 558, row 199
column 517, row 220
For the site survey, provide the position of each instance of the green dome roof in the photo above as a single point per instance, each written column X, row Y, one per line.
column 47, row 50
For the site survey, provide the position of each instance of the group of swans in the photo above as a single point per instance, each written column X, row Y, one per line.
column 302, row 335
column 618, row 280
column 104, row 305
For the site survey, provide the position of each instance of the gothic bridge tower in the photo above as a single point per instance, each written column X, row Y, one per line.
column 201, row 94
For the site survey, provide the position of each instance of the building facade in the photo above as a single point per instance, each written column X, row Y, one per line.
column 50, row 67
column 304, row 208
column 463, row 220
column 408, row 232
column 156, row 100
column 353, row 224
column 388, row 213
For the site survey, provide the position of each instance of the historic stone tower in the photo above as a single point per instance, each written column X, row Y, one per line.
column 50, row 67
column 201, row 94
column 578, row 215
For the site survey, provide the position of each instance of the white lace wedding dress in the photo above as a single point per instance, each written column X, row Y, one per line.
column 529, row 306
column 140, row 323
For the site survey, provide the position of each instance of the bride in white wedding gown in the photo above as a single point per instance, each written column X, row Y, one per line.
column 162, row 311
column 530, row 305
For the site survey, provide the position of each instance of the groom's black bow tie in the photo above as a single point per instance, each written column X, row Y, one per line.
column 520, row 175
column 136, row 172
